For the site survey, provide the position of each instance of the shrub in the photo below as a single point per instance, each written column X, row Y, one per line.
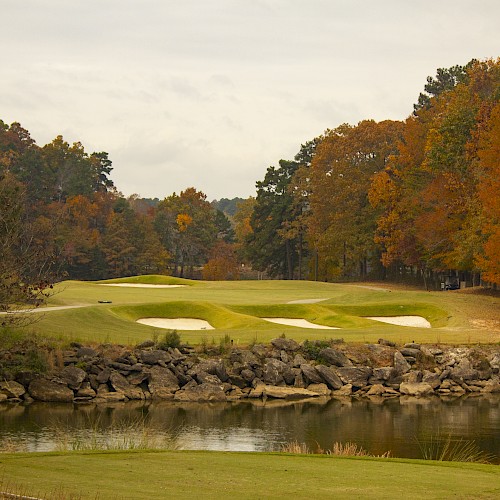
column 171, row 339
column 312, row 348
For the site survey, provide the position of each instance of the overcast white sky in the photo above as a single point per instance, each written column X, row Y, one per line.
column 209, row 93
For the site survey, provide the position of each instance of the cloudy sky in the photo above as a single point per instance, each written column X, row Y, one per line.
column 209, row 93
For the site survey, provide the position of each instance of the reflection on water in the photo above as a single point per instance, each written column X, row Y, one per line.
column 398, row 425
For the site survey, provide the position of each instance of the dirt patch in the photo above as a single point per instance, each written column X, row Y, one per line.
column 486, row 324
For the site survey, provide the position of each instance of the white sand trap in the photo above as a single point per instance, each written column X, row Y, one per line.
column 306, row 301
column 140, row 285
column 177, row 323
column 301, row 323
column 414, row 321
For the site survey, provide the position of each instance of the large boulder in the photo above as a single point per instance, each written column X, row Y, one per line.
column 492, row 385
column 43, row 389
column 376, row 390
column 357, row 376
column 72, row 376
column 494, row 360
column 246, row 359
column 463, row 371
column 86, row 352
column 410, row 352
column 103, row 376
column 207, row 378
column 311, row 376
column 121, row 384
column 344, row 391
column 137, row 378
column 247, row 375
column 320, row 389
column 110, row 397
column 162, row 382
column 12, row 389
column 285, row 344
column 153, row 357
column 298, row 360
column 329, row 376
column 288, row 392
column 334, row 357
column 202, row 392
column 211, row 367
column 400, row 364
column 86, row 391
column 273, row 372
column 417, row 389
column 431, row 378
column 381, row 375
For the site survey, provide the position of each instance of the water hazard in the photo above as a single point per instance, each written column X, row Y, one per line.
column 401, row 425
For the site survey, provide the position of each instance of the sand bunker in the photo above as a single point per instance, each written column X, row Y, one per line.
column 301, row 323
column 177, row 323
column 414, row 321
column 140, row 285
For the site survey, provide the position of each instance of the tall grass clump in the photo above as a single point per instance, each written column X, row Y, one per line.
column 338, row 450
column 453, row 450
column 9, row 489
column 352, row 450
column 225, row 343
column 9, row 444
column 135, row 434
column 296, row 448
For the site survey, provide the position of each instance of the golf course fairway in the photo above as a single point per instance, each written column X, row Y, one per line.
column 192, row 474
column 93, row 313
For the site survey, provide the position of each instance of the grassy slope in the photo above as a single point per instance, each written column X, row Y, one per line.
column 234, row 308
column 189, row 474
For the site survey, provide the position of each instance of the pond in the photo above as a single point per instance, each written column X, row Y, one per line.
column 401, row 425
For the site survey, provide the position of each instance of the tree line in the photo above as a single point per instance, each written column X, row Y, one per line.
column 374, row 200
column 418, row 197
column 62, row 217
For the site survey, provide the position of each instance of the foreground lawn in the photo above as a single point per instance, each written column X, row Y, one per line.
column 235, row 308
column 192, row 474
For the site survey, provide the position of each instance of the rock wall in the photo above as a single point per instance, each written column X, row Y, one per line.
column 284, row 369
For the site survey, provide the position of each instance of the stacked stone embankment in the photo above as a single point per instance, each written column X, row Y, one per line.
column 283, row 369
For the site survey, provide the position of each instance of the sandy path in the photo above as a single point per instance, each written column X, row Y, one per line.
column 301, row 323
column 177, row 323
column 46, row 309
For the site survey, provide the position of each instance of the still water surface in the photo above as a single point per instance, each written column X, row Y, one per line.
column 399, row 425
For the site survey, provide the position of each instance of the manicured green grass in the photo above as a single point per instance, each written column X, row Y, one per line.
column 234, row 308
column 201, row 474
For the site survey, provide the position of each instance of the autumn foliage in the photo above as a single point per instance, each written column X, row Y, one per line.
column 387, row 199
column 418, row 197
column 68, row 210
